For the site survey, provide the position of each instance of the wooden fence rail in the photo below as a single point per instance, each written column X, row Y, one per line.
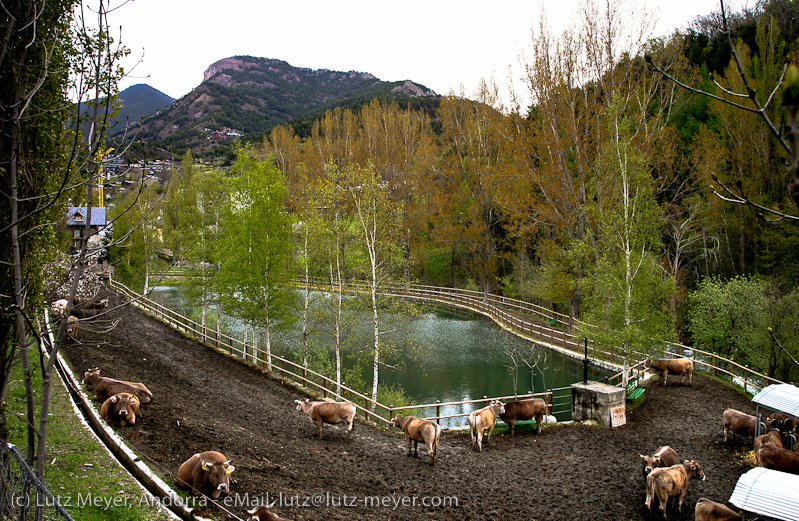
column 495, row 307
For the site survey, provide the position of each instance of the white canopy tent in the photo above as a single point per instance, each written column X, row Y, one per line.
column 768, row 493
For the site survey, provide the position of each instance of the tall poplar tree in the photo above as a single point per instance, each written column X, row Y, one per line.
column 255, row 246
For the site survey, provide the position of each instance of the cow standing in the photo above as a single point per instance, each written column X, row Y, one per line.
column 663, row 457
column 482, row 421
column 737, row 422
column 777, row 458
column 677, row 367
column 770, row 439
column 524, row 410
column 328, row 412
column 417, row 430
column 206, row 472
column 666, row 482
column 707, row 510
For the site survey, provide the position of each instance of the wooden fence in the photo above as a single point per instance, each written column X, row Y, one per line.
column 517, row 316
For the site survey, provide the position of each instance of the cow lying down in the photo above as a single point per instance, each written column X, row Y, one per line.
column 121, row 409
column 206, row 473
column 328, row 412
column 104, row 387
column 263, row 513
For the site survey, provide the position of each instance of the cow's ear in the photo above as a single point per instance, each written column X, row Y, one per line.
column 230, row 469
column 133, row 401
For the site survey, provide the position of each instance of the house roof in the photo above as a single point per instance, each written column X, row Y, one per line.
column 779, row 397
column 98, row 216
column 767, row 492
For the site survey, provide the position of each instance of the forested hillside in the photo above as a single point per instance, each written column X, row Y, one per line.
column 602, row 198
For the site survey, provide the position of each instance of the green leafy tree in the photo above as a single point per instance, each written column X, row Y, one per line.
column 255, row 246
column 731, row 318
column 627, row 294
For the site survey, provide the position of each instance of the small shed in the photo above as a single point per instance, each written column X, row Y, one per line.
column 768, row 493
column 782, row 398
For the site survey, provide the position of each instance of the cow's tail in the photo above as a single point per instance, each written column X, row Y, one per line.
column 438, row 437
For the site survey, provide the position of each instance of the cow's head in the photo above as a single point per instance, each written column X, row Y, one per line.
column 218, row 475
column 302, row 405
column 90, row 373
column 694, row 469
column 501, row 406
column 396, row 421
column 124, row 407
column 649, row 463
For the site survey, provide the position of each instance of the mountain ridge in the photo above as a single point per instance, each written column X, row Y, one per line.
column 243, row 95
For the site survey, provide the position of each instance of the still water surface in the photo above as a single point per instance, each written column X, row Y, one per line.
column 463, row 355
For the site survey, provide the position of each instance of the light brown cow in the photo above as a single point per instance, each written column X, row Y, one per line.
column 707, row 510
column 663, row 457
column 778, row 458
column 737, row 422
column 328, row 412
column 59, row 307
column 121, row 409
column 678, row 367
column 524, row 410
column 666, row 482
column 72, row 327
column 104, row 387
column 481, row 422
column 263, row 513
column 206, row 472
column 770, row 439
column 417, row 430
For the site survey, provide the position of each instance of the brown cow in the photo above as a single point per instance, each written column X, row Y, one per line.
column 59, row 307
column 121, row 409
column 707, row 510
column 678, row 367
column 664, row 457
column 524, row 410
column 771, row 439
column 417, row 430
column 778, row 458
column 328, row 412
column 206, row 472
column 738, row 422
column 104, row 387
column 72, row 327
column 481, row 422
column 666, row 482
column 263, row 513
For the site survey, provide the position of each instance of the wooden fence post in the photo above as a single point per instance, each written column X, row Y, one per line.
column 715, row 363
column 438, row 411
column 549, row 402
column 324, row 385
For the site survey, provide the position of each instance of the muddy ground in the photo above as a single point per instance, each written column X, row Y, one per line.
column 206, row 401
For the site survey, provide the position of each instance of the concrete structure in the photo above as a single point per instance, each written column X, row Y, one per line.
column 600, row 402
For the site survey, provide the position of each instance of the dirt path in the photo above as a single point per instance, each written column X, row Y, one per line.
column 206, row 401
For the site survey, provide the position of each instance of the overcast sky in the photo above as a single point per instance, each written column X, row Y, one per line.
column 444, row 45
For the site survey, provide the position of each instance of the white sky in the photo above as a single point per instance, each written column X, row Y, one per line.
column 442, row 44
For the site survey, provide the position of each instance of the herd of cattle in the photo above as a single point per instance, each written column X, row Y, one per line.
column 665, row 475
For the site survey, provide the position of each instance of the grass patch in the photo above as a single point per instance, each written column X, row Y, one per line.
column 79, row 471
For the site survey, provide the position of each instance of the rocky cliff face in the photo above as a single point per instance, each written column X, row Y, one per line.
column 245, row 94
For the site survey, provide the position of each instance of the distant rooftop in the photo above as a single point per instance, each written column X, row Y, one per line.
column 76, row 216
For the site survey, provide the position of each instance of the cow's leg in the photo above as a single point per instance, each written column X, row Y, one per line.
column 480, row 439
column 488, row 433
column 319, row 426
column 415, row 447
column 511, row 424
column 649, row 496
column 665, row 377
column 664, row 502
column 539, row 418
column 409, row 444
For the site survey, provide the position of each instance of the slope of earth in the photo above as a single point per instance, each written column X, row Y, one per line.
column 206, row 401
